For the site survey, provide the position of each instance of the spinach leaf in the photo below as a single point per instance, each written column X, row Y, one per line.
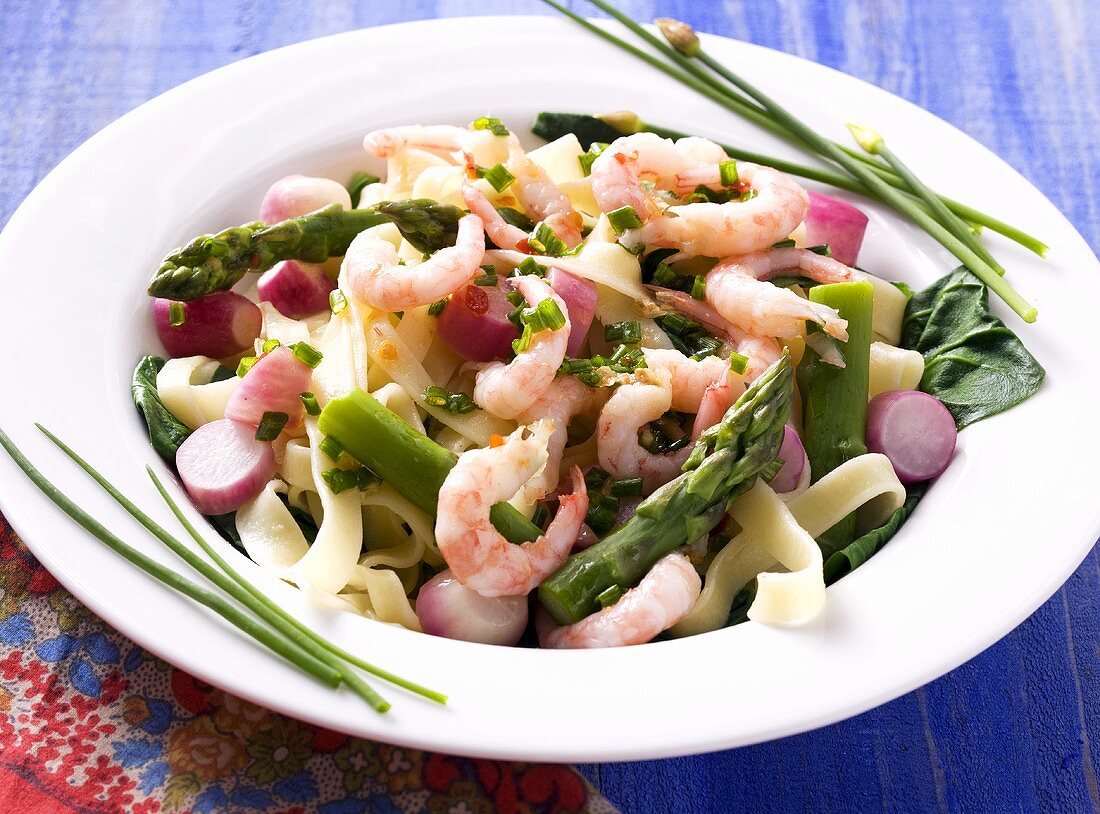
column 857, row 552
column 226, row 526
column 587, row 129
column 303, row 518
column 972, row 363
column 166, row 432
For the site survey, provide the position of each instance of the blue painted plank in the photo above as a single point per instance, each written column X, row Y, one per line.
column 1015, row 729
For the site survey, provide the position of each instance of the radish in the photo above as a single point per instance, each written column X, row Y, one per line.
column 297, row 290
column 217, row 325
column 793, row 455
column 914, row 430
column 475, row 325
column 223, row 466
column 836, row 223
column 449, row 609
column 273, row 385
column 580, row 300
column 298, row 195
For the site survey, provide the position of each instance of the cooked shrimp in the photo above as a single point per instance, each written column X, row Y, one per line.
column 478, row 555
column 442, row 139
column 377, row 278
column 716, row 400
column 506, row 390
column 761, row 351
column 542, row 199
column 620, row 172
column 738, row 290
column 562, row 400
column 659, row 601
column 502, row 233
column 689, row 377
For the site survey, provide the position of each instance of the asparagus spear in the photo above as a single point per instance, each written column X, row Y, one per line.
column 834, row 414
column 744, row 442
column 406, row 459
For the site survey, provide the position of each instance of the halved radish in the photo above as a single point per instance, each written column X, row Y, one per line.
column 793, row 456
column 274, row 384
column 580, row 300
column 914, row 430
column 297, row 195
column 297, row 290
column 217, row 325
column 223, row 466
column 448, row 608
column 475, row 325
column 837, row 223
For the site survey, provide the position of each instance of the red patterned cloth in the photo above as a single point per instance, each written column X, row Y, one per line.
column 90, row 722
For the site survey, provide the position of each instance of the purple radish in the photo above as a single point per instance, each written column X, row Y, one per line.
column 837, row 223
column 297, row 195
column 449, row 609
column 217, row 325
column 297, row 290
column 793, row 456
column 914, row 430
column 223, row 466
column 474, row 323
column 580, row 300
column 273, row 385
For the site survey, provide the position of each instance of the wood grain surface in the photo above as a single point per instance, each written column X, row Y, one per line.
column 1015, row 729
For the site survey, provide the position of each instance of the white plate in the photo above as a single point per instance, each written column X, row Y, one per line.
column 1005, row 526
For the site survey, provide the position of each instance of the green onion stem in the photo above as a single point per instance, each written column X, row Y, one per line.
column 887, row 193
column 231, row 613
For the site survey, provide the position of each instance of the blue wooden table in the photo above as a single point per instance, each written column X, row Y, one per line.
column 1017, row 728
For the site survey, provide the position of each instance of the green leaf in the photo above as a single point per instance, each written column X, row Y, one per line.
column 973, row 363
column 166, row 432
column 587, row 129
column 857, row 552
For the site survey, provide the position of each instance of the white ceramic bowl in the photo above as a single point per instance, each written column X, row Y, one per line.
column 1002, row 529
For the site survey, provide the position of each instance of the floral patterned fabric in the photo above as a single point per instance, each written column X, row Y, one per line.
column 90, row 722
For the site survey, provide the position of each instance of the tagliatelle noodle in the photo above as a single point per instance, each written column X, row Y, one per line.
column 194, row 404
column 893, row 369
column 607, row 264
column 284, row 329
column 268, row 532
column 613, row 306
column 384, row 598
column 400, row 403
column 865, row 481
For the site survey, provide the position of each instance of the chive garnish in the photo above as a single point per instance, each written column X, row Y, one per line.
column 337, row 301
column 307, row 354
column 271, row 425
column 245, row 365
column 624, row 218
column 498, row 177
column 176, row 314
column 310, row 402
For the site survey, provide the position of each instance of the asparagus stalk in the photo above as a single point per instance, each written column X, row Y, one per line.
column 406, row 459
column 744, row 442
column 875, row 144
column 834, row 412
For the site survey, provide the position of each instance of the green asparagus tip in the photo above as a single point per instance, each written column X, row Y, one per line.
column 680, row 35
column 865, row 137
column 626, row 122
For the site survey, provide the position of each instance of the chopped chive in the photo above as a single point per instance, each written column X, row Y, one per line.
column 310, row 402
column 624, row 218
column 337, row 301
column 516, row 298
column 609, row 502
column 727, row 172
column 823, row 250
column 176, row 314
column 629, row 333
column 524, row 341
column 498, row 177
column 544, row 241
column 270, row 345
column 489, row 278
column 493, row 125
column 541, row 515
column 531, row 266
column 706, row 346
column 436, row 308
column 783, row 244
column 609, row 596
column 340, row 480
column 599, row 519
column 595, row 477
column 307, row 354
column 245, row 365
column 628, row 487
column 444, row 399
column 552, row 317
column 331, row 447
column 699, row 288
column 739, row 363
column 586, row 159
column 356, row 185
column 271, row 425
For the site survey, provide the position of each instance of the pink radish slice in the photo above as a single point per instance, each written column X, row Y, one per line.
column 914, row 430
column 580, row 300
column 274, row 384
column 223, row 466
column 475, row 325
column 217, row 325
column 449, row 609
column 297, row 290
column 837, row 223
column 793, row 455
column 297, row 195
